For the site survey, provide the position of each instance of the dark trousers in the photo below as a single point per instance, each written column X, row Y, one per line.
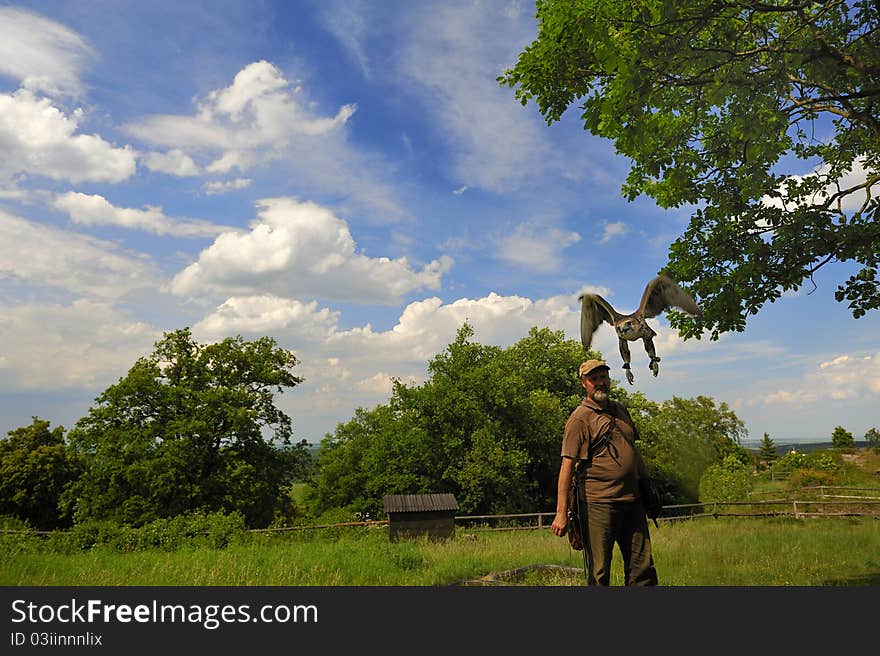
column 623, row 523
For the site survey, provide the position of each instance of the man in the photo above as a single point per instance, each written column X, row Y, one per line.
column 601, row 433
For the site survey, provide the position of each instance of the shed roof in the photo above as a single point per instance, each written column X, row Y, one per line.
column 419, row 502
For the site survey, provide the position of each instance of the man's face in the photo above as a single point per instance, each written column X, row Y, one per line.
column 598, row 384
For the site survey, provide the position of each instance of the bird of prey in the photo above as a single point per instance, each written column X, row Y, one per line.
column 661, row 294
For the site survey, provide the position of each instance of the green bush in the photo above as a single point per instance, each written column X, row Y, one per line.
column 197, row 529
column 730, row 480
column 789, row 462
column 824, row 461
column 810, row 478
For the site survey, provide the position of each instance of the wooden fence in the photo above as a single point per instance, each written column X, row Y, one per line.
column 826, row 504
column 799, row 508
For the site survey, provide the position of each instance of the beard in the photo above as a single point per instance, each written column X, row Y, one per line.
column 600, row 396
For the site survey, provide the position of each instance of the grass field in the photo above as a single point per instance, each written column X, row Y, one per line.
column 704, row 552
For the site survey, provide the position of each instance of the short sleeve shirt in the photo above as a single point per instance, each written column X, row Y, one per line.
column 614, row 472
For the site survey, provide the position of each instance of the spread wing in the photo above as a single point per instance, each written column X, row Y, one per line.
column 594, row 310
column 663, row 293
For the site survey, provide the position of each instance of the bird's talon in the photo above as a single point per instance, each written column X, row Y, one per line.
column 629, row 376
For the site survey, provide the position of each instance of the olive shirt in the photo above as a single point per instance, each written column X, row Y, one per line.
column 617, row 465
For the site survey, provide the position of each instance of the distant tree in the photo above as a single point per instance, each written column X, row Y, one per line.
column 767, row 453
column 36, row 465
column 872, row 437
column 842, row 438
column 191, row 427
column 763, row 115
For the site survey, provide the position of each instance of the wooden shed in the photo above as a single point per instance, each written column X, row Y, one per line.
column 411, row 515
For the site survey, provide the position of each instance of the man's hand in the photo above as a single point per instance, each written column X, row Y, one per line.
column 560, row 524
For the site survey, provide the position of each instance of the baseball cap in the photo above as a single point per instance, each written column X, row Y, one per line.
column 589, row 366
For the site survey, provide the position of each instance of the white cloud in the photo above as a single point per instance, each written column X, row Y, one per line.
column 299, row 248
column 51, row 257
column 261, row 118
column 855, row 176
column 612, row 230
column 349, row 368
column 93, row 209
column 39, row 139
column 82, row 344
column 843, row 379
column 536, row 247
column 41, row 54
column 267, row 314
column 173, row 162
column 249, row 122
column 225, row 186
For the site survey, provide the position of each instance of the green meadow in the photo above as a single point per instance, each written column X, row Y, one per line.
column 776, row 551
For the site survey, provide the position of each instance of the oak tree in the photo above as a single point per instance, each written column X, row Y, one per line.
column 764, row 116
column 190, row 427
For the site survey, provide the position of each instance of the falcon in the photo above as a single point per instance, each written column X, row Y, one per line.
column 661, row 294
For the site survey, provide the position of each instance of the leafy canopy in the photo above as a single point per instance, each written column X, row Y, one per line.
column 36, row 465
column 765, row 116
column 191, row 427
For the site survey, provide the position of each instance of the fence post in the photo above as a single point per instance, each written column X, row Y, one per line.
column 796, row 515
column 540, row 520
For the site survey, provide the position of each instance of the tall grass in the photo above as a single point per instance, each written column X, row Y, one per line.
column 707, row 552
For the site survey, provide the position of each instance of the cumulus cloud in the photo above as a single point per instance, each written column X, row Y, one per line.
column 252, row 120
column 261, row 118
column 348, row 368
column 40, row 54
column 173, row 162
column 86, row 343
column 299, row 248
column 39, row 139
column 536, row 247
column 51, row 257
column 86, row 209
column 266, row 314
column 422, row 330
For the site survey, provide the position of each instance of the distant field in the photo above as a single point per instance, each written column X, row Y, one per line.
column 704, row 552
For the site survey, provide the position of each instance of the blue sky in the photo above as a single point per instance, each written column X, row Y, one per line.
column 348, row 178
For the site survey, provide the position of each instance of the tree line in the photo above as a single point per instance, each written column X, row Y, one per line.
column 196, row 428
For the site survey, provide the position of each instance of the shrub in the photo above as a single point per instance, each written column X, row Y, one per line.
column 824, row 461
column 197, row 529
column 789, row 462
column 810, row 477
column 730, row 480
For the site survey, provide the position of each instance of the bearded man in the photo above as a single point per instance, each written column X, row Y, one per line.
column 599, row 442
